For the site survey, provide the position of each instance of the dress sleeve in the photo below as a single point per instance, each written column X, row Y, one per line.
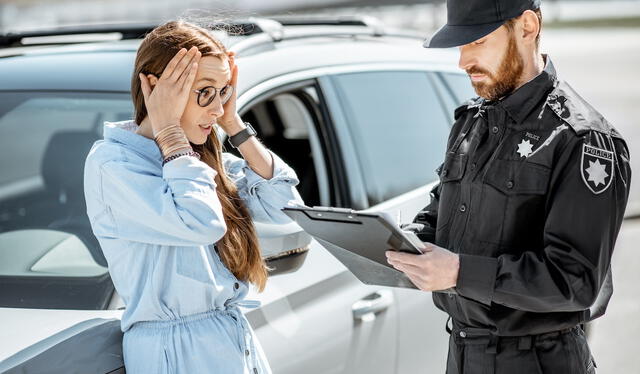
column 264, row 197
column 178, row 208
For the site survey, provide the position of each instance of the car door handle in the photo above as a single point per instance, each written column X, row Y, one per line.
column 365, row 310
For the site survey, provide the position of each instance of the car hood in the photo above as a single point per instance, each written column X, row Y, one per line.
column 29, row 332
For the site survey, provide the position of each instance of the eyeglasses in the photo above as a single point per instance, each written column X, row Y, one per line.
column 207, row 94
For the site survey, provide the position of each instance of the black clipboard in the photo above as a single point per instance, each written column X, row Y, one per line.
column 358, row 240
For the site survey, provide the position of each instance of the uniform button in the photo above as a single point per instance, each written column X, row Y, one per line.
column 255, row 371
column 445, row 172
column 246, row 352
column 450, row 296
column 473, row 166
column 463, row 208
column 510, row 184
column 236, row 285
column 495, row 129
column 463, row 334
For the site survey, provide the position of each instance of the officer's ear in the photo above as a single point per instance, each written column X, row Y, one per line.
column 529, row 27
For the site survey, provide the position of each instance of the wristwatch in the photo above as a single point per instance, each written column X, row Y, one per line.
column 241, row 137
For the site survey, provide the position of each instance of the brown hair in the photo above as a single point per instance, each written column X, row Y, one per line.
column 510, row 24
column 239, row 248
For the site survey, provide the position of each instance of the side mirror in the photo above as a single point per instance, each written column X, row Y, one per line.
column 284, row 247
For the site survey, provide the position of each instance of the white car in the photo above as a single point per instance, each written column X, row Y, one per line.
column 360, row 112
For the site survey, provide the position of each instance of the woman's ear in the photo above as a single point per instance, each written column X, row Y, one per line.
column 153, row 80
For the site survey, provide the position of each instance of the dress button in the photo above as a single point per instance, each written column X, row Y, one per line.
column 463, row 208
column 510, row 184
column 473, row 166
column 445, row 172
column 495, row 129
column 236, row 285
column 463, row 334
column 255, row 370
column 246, row 352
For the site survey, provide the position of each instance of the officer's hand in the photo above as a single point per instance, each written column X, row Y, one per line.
column 434, row 270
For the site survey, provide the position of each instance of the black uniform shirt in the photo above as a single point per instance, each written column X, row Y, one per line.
column 531, row 196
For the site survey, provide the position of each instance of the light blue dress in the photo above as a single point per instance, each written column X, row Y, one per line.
column 157, row 226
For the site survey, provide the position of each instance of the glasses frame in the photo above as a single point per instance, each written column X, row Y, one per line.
column 216, row 91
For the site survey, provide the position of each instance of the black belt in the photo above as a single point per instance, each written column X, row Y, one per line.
column 473, row 335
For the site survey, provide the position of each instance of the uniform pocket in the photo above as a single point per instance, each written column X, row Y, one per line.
column 452, row 171
column 584, row 356
column 518, row 178
column 513, row 197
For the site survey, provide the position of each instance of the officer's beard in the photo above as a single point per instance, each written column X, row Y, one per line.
column 505, row 80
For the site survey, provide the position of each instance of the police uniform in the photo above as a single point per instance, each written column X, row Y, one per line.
column 531, row 197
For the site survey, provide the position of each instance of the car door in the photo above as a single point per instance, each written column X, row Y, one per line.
column 320, row 318
column 397, row 125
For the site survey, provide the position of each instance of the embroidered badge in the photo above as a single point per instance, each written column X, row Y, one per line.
column 596, row 168
column 557, row 103
column 525, row 148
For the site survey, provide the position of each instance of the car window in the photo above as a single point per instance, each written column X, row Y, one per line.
column 460, row 87
column 45, row 236
column 398, row 126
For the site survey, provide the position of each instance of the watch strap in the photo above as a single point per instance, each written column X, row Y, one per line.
column 241, row 137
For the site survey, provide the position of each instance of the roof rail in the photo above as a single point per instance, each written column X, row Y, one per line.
column 126, row 31
column 273, row 27
column 373, row 23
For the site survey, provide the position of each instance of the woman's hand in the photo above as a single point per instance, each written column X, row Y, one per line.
column 166, row 97
column 230, row 122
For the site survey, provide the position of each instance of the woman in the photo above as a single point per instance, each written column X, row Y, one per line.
column 172, row 212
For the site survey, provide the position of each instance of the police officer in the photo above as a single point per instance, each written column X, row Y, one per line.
column 531, row 197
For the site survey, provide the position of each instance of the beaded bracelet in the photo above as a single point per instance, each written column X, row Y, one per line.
column 180, row 154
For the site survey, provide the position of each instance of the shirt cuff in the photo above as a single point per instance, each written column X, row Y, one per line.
column 189, row 168
column 477, row 277
column 282, row 174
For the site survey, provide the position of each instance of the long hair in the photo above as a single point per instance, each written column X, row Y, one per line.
column 239, row 248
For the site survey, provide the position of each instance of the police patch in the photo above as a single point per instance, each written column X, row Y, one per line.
column 596, row 168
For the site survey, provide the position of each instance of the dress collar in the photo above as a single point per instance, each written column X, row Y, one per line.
column 124, row 132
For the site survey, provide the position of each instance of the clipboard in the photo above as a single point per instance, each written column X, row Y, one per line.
column 358, row 240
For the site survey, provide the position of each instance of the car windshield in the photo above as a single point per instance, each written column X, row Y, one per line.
column 49, row 257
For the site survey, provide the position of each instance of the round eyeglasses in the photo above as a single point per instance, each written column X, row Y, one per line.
column 207, row 94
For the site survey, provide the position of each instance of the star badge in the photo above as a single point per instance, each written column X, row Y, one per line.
column 525, row 148
column 597, row 168
column 597, row 173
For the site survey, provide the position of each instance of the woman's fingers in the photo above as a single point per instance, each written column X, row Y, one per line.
column 188, row 68
column 190, row 78
column 171, row 66
column 145, row 86
column 183, row 65
column 234, row 77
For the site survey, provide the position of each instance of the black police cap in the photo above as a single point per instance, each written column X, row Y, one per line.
column 470, row 20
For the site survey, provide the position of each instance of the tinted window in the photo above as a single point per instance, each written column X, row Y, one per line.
column 399, row 129
column 49, row 257
column 460, row 87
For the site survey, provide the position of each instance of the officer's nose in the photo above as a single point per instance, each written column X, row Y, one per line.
column 466, row 60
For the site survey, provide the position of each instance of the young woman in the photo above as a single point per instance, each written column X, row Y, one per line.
column 173, row 213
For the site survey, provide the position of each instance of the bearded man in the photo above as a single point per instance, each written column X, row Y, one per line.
column 531, row 197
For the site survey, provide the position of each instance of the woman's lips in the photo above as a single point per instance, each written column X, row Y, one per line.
column 205, row 128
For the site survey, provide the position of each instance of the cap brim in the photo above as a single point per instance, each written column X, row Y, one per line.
column 454, row 36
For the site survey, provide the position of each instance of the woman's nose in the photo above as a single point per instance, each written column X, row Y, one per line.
column 215, row 109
